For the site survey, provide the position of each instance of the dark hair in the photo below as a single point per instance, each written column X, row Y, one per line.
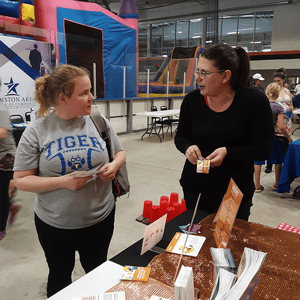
column 236, row 60
column 281, row 73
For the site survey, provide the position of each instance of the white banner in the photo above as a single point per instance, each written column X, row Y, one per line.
column 21, row 61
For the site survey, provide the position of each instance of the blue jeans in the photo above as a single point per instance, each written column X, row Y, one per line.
column 60, row 246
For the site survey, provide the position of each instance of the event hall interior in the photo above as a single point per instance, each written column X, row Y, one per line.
column 141, row 52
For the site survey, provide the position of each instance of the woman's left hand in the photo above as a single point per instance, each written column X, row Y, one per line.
column 108, row 172
column 216, row 158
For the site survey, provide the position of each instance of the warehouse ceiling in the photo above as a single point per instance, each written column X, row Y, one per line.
column 114, row 5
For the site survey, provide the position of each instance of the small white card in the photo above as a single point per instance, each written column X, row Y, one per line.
column 153, row 233
column 106, row 296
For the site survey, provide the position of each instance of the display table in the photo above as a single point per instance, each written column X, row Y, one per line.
column 290, row 168
column 279, row 277
column 280, row 272
column 109, row 273
column 131, row 255
column 95, row 282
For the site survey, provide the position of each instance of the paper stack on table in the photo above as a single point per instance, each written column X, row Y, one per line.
column 184, row 284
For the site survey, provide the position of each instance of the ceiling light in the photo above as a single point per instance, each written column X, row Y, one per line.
column 196, row 20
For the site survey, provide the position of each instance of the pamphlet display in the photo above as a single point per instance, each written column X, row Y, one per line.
column 153, row 234
column 226, row 214
column 231, row 286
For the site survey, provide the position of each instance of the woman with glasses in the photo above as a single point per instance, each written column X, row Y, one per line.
column 226, row 122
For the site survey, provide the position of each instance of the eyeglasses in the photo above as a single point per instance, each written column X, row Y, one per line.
column 202, row 74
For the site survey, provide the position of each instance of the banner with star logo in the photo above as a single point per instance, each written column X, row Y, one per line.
column 21, row 62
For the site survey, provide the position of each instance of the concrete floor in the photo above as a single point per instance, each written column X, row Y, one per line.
column 154, row 170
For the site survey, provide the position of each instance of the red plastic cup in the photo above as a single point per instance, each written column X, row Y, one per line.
column 155, row 213
column 177, row 207
column 171, row 213
column 173, row 198
column 164, row 204
column 182, row 206
column 147, row 209
column 164, row 198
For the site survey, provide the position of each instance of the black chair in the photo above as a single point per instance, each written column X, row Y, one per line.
column 16, row 119
column 17, row 132
column 157, row 121
column 28, row 116
column 167, row 120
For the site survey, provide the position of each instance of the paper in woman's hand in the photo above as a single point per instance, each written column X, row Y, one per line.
column 91, row 172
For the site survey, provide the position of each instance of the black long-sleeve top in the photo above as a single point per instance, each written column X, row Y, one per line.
column 245, row 128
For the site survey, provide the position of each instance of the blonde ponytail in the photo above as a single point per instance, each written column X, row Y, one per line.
column 49, row 87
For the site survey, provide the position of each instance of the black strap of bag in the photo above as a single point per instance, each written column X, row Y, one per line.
column 120, row 184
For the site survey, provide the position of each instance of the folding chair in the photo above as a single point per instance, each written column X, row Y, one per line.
column 167, row 120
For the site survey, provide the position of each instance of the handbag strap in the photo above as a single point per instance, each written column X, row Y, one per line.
column 100, row 124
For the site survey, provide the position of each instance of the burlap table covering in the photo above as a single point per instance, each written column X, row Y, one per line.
column 280, row 272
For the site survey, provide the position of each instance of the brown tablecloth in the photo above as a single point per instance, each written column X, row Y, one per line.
column 280, row 272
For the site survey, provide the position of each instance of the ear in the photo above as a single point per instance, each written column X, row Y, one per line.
column 62, row 98
column 227, row 76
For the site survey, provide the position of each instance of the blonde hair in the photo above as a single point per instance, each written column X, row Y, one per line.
column 273, row 90
column 49, row 87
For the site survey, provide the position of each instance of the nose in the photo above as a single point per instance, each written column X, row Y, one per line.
column 91, row 97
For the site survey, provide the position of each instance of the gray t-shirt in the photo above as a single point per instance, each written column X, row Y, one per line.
column 7, row 144
column 57, row 147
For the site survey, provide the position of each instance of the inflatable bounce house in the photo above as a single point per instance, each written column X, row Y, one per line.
column 90, row 36
column 17, row 12
column 179, row 61
column 83, row 34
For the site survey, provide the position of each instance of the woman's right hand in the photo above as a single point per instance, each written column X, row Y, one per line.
column 193, row 154
column 74, row 183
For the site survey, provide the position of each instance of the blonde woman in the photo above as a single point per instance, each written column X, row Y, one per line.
column 71, row 213
column 282, row 130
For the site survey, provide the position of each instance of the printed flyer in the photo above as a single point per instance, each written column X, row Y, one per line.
column 192, row 246
column 136, row 273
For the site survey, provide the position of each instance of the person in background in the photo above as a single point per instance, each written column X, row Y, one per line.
column 285, row 98
column 257, row 80
column 71, row 213
column 282, row 131
column 297, row 89
column 296, row 99
column 7, row 156
column 227, row 123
